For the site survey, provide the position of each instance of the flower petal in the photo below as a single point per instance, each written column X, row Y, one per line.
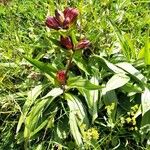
column 52, row 22
column 70, row 15
column 83, row 44
column 66, row 42
column 59, row 16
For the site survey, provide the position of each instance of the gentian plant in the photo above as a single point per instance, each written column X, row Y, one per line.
column 65, row 82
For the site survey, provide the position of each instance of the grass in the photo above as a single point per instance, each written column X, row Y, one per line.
column 116, row 66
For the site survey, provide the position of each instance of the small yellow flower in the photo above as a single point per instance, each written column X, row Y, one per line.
column 122, row 120
column 128, row 120
column 135, row 128
column 95, row 134
column 91, row 134
column 133, row 121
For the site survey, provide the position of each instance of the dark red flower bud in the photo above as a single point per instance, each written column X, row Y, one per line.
column 61, row 77
column 52, row 22
column 70, row 15
column 66, row 42
column 60, row 17
column 83, row 44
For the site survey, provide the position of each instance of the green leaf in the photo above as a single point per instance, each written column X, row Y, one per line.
column 37, row 109
column 76, row 107
column 40, row 147
column 106, row 64
column 133, row 72
column 81, row 63
column 110, row 100
column 32, row 96
column 145, row 99
column 116, row 81
column 77, row 117
column 75, row 130
column 147, row 51
column 130, row 44
column 61, row 130
column 125, row 43
column 53, row 93
column 145, row 103
column 92, row 98
column 56, row 42
column 109, row 97
column 141, row 53
column 73, row 38
column 45, row 68
column 78, row 82
column 130, row 88
column 40, row 127
column 33, row 117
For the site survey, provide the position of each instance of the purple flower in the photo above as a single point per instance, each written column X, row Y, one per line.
column 62, row 20
column 70, row 15
column 61, row 76
column 66, row 42
column 52, row 22
column 83, row 44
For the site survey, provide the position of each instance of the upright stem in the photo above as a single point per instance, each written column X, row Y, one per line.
column 69, row 63
column 67, row 68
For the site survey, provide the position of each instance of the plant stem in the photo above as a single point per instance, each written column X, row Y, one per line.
column 67, row 69
column 69, row 63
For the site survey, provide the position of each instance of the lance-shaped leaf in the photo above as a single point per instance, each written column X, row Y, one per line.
column 136, row 74
column 78, row 82
column 91, row 97
column 77, row 117
column 108, row 65
column 32, row 96
column 45, row 68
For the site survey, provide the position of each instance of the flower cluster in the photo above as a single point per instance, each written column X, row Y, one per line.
column 62, row 20
column 68, row 44
column 65, row 20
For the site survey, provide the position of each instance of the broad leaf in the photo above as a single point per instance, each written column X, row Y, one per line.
column 116, row 81
column 78, row 82
column 77, row 117
column 53, row 93
column 130, row 88
column 92, row 98
column 34, row 115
